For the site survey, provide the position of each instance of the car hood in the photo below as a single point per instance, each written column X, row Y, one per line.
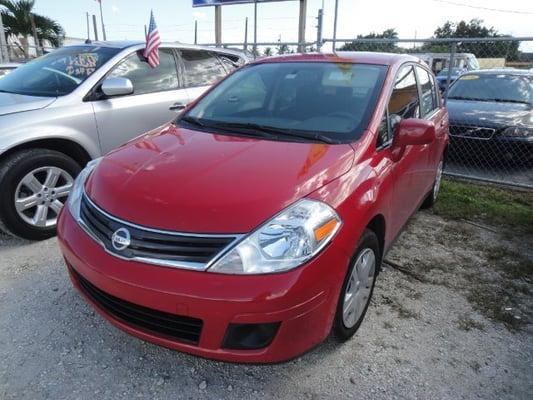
column 489, row 114
column 189, row 181
column 14, row 103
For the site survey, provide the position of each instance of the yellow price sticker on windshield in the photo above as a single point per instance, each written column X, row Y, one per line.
column 469, row 77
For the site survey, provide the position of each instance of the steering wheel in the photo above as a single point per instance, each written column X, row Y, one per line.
column 341, row 114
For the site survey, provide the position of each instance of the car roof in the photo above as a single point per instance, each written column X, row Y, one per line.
column 125, row 44
column 501, row 71
column 354, row 57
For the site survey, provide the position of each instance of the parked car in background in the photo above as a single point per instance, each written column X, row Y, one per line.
column 255, row 224
column 491, row 117
column 439, row 61
column 442, row 77
column 6, row 68
column 79, row 102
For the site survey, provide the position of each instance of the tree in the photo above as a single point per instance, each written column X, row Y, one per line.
column 267, row 52
column 387, row 45
column 283, row 48
column 476, row 29
column 17, row 16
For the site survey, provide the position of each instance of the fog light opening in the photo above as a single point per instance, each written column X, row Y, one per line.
column 250, row 336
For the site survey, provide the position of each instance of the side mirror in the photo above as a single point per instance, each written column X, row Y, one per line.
column 413, row 132
column 115, row 86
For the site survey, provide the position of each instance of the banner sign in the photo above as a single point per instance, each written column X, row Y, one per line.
column 204, row 3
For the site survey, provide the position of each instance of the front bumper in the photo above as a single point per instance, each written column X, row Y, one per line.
column 302, row 301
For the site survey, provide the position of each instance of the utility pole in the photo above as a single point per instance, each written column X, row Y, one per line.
column 301, row 26
column 4, row 53
column 195, row 31
column 95, row 26
column 218, row 25
column 35, row 37
column 335, row 24
column 255, row 28
column 245, row 47
column 320, row 19
column 102, row 19
column 88, row 29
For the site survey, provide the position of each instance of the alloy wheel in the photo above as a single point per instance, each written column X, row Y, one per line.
column 41, row 194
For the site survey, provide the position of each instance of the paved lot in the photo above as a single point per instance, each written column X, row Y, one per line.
column 454, row 324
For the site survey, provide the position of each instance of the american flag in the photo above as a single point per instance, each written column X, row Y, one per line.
column 152, row 43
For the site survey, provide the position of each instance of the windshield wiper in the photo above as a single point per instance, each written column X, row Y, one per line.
column 467, row 98
column 192, row 121
column 511, row 101
column 272, row 132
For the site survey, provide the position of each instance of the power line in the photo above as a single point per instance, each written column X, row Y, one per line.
column 453, row 3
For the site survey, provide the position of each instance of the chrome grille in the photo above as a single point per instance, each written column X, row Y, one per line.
column 150, row 245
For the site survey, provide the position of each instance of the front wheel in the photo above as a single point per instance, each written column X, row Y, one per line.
column 35, row 184
column 358, row 287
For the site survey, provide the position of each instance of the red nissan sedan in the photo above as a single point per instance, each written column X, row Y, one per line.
column 255, row 224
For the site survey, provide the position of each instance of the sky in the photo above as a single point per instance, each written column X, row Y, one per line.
column 125, row 19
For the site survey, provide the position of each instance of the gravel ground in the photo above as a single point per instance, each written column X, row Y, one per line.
column 452, row 320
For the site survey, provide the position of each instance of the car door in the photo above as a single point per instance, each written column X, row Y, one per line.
column 431, row 109
column 200, row 69
column 156, row 92
column 404, row 103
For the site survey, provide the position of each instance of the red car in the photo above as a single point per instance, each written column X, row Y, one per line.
column 255, row 224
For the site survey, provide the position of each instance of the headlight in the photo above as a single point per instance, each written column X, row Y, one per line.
column 288, row 240
column 74, row 198
column 517, row 131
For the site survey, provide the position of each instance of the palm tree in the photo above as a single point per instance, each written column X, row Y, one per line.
column 17, row 17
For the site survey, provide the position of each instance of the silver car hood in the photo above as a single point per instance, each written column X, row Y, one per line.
column 14, row 103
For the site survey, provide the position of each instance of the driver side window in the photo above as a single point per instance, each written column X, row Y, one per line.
column 404, row 103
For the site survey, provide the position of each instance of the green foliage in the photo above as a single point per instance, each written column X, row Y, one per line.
column 476, row 29
column 506, row 207
column 17, row 18
column 267, row 52
column 388, row 47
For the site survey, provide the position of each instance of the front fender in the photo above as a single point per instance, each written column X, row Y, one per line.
column 76, row 124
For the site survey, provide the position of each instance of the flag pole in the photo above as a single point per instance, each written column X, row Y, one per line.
column 102, row 19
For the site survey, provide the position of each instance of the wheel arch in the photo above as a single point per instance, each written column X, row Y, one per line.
column 378, row 226
column 66, row 146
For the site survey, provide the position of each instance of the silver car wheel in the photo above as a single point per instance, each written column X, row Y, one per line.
column 40, row 195
column 438, row 178
column 357, row 293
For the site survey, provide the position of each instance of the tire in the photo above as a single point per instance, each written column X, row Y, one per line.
column 344, row 325
column 32, row 176
column 431, row 197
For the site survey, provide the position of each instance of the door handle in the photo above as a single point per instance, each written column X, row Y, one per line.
column 177, row 106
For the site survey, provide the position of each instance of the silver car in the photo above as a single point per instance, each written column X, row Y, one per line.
column 79, row 102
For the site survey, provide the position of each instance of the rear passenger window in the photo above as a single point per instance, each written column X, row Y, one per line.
column 146, row 79
column 428, row 101
column 404, row 103
column 201, row 68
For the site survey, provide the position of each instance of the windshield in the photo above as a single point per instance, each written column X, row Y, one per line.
column 331, row 102
column 497, row 87
column 57, row 73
